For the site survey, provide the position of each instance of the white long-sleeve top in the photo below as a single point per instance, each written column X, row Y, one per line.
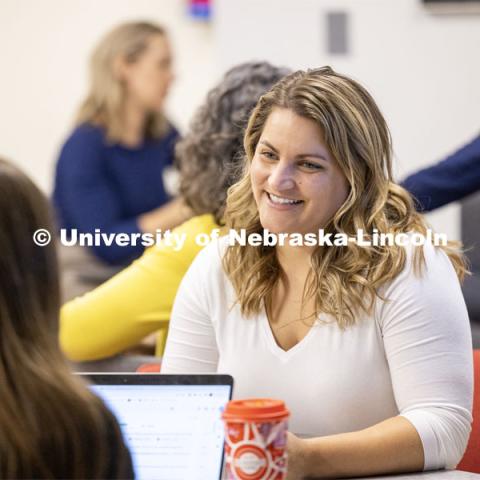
column 412, row 357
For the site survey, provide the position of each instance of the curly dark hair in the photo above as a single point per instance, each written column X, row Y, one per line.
column 211, row 155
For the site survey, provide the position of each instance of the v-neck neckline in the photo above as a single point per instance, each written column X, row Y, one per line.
column 275, row 348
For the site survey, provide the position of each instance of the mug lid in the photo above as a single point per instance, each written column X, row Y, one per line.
column 255, row 409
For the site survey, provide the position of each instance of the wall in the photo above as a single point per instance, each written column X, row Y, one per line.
column 423, row 69
column 45, row 46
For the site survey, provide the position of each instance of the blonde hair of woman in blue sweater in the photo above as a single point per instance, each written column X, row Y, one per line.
column 137, row 301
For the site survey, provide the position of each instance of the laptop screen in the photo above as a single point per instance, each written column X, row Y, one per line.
column 173, row 431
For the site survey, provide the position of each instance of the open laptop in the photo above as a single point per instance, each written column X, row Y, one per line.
column 171, row 423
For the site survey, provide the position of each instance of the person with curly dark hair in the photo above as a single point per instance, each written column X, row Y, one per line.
column 137, row 301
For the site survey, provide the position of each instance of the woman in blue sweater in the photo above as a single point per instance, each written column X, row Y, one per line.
column 109, row 172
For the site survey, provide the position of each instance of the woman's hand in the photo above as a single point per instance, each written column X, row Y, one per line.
column 296, row 462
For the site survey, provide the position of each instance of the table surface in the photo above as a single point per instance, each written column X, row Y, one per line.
column 440, row 474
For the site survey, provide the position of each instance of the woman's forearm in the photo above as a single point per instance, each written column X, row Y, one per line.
column 391, row 446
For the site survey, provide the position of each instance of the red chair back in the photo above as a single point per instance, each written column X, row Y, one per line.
column 471, row 460
column 149, row 368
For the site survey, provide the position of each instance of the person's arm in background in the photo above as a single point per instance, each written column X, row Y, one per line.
column 85, row 196
column 428, row 346
column 447, row 181
column 133, row 303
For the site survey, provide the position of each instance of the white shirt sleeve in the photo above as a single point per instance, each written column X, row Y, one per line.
column 191, row 344
column 426, row 340
column 428, row 345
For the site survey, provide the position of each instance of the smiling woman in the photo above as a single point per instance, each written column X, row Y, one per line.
column 369, row 346
column 296, row 184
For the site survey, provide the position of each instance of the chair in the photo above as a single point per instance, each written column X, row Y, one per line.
column 471, row 459
column 149, row 368
column 470, row 221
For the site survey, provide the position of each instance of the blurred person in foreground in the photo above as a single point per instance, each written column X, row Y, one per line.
column 52, row 425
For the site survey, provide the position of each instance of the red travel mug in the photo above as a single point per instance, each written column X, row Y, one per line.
column 256, row 439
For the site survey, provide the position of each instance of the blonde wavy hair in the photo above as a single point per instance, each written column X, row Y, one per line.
column 342, row 280
column 104, row 102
